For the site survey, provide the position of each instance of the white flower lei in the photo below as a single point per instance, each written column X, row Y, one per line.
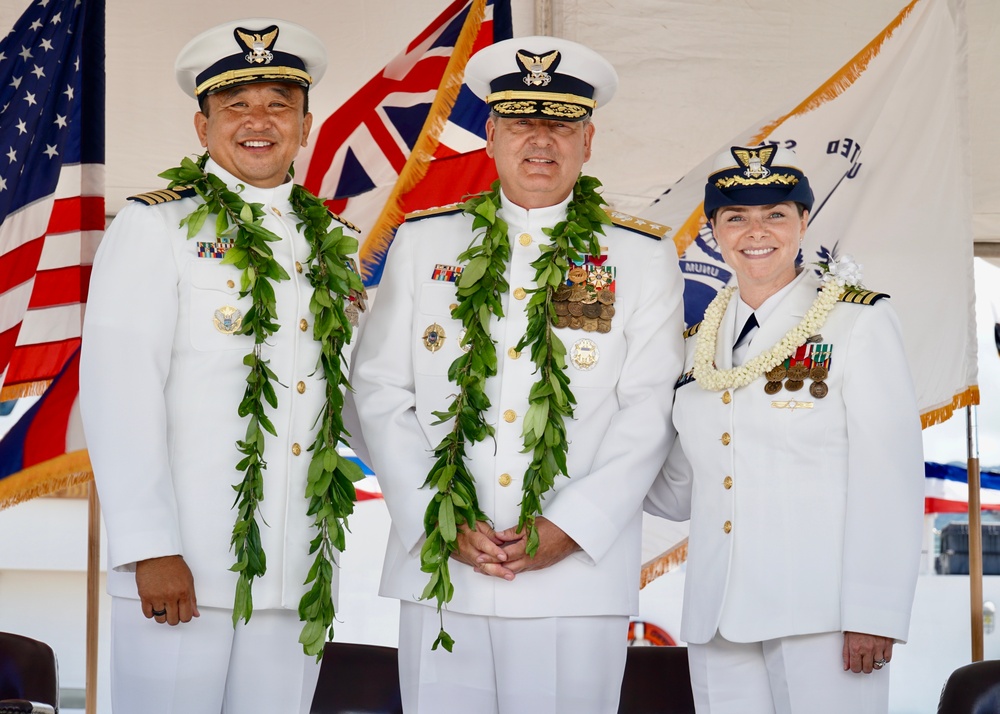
column 714, row 380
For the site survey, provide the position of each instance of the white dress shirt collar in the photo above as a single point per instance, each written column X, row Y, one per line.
column 277, row 196
column 533, row 218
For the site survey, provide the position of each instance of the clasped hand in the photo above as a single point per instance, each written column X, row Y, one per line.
column 503, row 554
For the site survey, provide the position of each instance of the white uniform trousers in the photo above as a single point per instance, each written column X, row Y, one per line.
column 206, row 666
column 501, row 665
column 790, row 675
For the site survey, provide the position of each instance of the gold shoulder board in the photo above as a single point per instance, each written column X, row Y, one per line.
column 639, row 225
column 164, row 195
column 692, row 331
column 436, row 211
column 345, row 222
column 862, row 297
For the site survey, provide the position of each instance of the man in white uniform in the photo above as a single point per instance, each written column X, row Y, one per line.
column 498, row 319
column 205, row 379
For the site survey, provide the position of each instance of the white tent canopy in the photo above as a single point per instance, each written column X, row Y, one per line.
column 693, row 74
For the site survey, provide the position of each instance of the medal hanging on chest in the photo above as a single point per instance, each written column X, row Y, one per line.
column 586, row 300
column 809, row 361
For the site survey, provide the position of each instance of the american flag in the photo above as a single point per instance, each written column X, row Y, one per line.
column 51, row 219
column 413, row 137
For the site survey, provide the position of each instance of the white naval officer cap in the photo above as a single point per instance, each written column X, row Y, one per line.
column 252, row 50
column 541, row 77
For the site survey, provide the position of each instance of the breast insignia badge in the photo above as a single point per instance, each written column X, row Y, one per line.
column 584, row 354
column 434, row 337
column 228, row 320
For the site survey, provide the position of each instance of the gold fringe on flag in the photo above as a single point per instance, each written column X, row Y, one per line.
column 663, row 563
column 830, row 89
column 378, row 240
column 46, row 478
column 936, row 415
column 28, row 389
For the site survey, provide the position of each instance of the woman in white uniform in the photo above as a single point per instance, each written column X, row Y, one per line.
column 799, row 456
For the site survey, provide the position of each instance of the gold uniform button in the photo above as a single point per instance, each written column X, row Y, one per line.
column 301, row 387
column 726, row 397
column 519, row 293
column 230, row 284
column 303, row 325
column 296, row 449
column 727, row 482
column 727, row 527
column 524, row 239
column 512, row 353
column 452, row 306
column 509, row 416
column 726, row 438
column 505, row 480
column 298, row 267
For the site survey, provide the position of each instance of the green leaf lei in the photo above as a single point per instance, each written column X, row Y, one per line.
column 330, row 482
column 550, row 400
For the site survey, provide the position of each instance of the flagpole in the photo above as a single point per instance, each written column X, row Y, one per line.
column 93, row 595
column 975, row 535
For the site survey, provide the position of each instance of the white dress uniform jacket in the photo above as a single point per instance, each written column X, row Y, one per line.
column 160, row 384
column 618, row 438
column 803, row 520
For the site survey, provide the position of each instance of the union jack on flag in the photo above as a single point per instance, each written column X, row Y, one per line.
column 51, row 219
column 413, row 137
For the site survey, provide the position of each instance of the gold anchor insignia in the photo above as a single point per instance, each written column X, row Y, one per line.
column 536, row 66
column 259, row 44
column 754, row 161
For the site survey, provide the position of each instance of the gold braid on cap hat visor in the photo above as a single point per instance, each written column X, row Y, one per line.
column 552, row 109
column 784, row 179
column 236, row 76
column 541, row 96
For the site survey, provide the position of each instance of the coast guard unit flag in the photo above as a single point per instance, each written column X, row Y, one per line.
column 413, row 137
column 51, row 219
column 884, row 143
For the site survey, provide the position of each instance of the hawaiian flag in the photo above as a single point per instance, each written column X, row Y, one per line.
column 51, row 219
column 413, row 137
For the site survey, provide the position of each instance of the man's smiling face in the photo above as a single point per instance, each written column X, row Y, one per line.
column 254, row 131
column 538, row 160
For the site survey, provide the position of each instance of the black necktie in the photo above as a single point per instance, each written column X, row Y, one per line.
column 749, row 325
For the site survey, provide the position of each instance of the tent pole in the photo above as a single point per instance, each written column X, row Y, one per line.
column 975, row 535
column 543, row 17
column 93, row 595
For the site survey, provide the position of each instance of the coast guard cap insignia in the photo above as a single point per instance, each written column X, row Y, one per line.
column 258, row 44
column 585, row 354
column 228, row 320
column 755, row 161
column 535, row 67
column 434, row 337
